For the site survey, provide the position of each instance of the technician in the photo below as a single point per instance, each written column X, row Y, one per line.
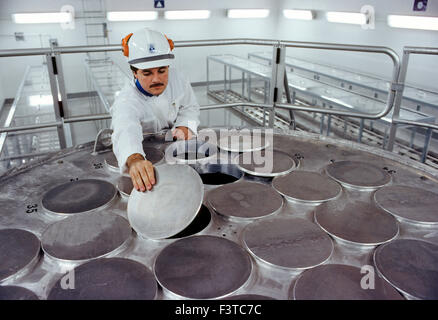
column 159, row 97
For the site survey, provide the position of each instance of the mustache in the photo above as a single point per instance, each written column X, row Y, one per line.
column 156, row 85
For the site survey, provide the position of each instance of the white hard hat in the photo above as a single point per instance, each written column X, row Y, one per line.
column 146, row 48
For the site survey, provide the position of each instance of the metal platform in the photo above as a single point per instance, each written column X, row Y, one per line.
column 22, row 189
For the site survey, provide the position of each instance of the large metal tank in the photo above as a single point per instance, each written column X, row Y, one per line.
column 341, row 217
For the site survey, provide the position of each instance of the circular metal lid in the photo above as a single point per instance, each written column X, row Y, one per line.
column 108, row 279
column 85, row 236
column 190, row 152
column 202, row 267
column 306, row 186
column 245, row 200
column 291, row 243
column 265, row 163
column 79, row 196
column 243, row 141
column 16, row 293
column 19, row 249
column 170, row 206
column 125, row 186
column 358, row 174
column 409, row 203
column 411, row 266
column 339, row 282
column 357, row 222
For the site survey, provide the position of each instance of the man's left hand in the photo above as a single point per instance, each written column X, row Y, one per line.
column 182, row 133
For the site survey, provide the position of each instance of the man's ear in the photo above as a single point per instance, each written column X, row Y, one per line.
column 134, row 73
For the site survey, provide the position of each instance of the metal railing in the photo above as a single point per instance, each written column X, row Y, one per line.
column 276, row 89
column 4, row 133
column 395, row 116
column 395, row 85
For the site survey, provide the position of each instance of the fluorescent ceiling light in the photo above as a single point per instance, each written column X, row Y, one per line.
column 187, row 14
column 413, row 22
column 347, row 17
column 131, row 15
column 298, row 14
column 247, row 13
column 48, row 17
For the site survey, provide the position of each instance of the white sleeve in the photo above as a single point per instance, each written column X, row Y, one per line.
column 188, row 113
column 127, row 133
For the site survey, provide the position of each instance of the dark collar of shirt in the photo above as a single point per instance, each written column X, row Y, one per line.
column 140, row 88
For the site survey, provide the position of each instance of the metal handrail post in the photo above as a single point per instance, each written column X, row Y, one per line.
column 64, row 100
column 56, row 103
column 289, row 100
column 397, row 101
column 277, row 79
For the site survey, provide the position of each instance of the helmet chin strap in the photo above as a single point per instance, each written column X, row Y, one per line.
column 140, row 88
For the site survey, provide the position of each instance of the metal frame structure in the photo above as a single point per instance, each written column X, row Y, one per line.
column 395, row 116
column 53, row 57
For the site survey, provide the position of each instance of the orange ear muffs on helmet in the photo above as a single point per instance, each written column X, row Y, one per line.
column 171, row 45
column 125, row 47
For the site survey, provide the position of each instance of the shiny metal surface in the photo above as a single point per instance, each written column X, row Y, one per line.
column 242, row 141
column 111, row 162
column 358, row 174
column 291, row 243
column 108, row 279
column 79, row 196
column 356, row 222
column 410, row 204
column 265, row 163
column 244, row 200
column 16, row 293
column 170, row 206
column 190, row 152
column 19, row 250
column 21, row 190
column 202, row 267
column 339, row 282
column 307, row 187
column 125, row 186
column 152, row 154
column 411, row 266
column 85, row 236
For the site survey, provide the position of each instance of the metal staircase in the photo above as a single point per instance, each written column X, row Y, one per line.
column 96, row 28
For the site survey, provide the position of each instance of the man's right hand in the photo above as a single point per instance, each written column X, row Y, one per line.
column 141, row 172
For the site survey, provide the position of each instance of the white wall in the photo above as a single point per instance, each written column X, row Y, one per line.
column 192, row 60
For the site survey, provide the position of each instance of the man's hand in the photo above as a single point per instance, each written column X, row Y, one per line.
column 141, row 172
column 182, row 133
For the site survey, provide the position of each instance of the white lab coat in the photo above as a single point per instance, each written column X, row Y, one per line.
column 134, row 113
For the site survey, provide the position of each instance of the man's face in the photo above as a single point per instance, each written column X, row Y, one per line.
column 153, row 80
